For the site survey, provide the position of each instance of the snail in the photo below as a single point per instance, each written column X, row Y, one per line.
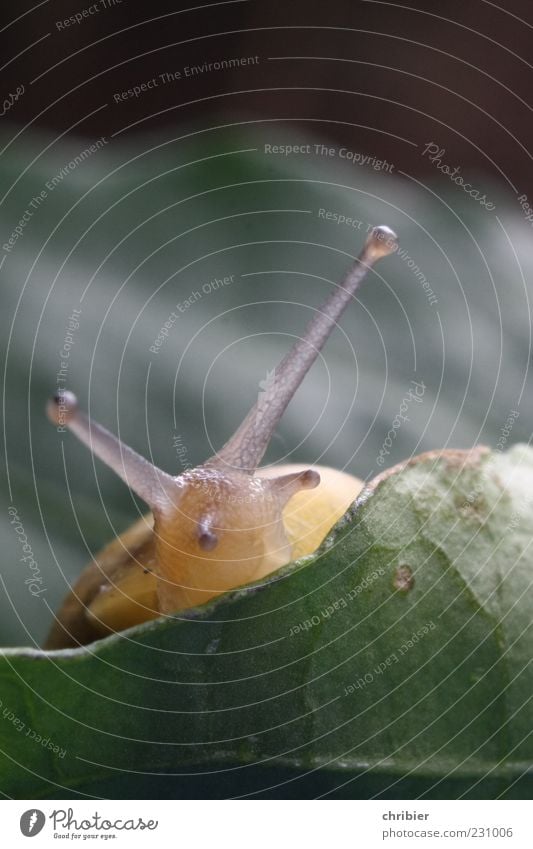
column 222, row 524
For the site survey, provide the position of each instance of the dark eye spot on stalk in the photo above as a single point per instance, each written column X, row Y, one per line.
column 207, row 540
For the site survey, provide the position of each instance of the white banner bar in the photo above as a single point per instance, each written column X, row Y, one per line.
column 268, row 824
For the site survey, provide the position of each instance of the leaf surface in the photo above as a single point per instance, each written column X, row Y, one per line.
column 397, row 661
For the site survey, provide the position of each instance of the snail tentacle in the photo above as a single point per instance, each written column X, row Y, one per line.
column 246, row 448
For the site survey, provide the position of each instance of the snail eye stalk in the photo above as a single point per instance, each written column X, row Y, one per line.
column 150, row 483
column 246, row 448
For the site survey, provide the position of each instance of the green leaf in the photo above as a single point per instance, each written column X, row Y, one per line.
column 397, row 661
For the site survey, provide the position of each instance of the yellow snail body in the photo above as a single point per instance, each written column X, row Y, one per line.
column 223, row 524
